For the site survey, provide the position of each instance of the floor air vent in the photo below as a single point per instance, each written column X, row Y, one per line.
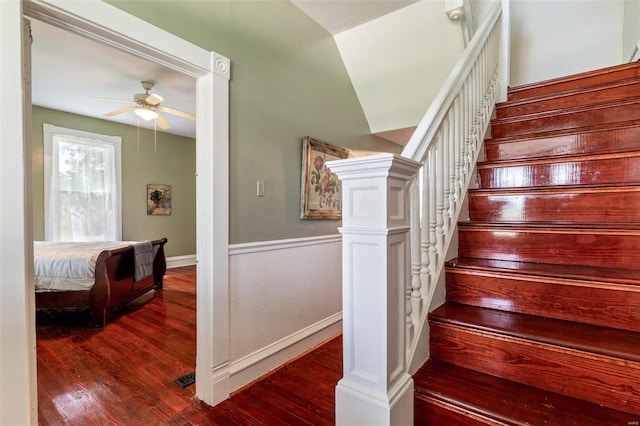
column 186, row 380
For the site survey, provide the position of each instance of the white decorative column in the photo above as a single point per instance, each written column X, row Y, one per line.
column 375, row 388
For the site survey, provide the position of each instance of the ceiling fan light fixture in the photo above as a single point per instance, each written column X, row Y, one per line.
column 146, row 113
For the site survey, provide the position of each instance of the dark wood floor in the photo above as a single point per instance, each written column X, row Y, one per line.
column 123, row 374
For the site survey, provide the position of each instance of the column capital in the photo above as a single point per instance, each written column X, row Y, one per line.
column 374, row 190
column 380, row 165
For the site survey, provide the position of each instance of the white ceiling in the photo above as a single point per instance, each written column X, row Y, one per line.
column 337, row 16
column 68, row 69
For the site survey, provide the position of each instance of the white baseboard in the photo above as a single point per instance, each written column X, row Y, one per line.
column 249, row 368
column 176, row 261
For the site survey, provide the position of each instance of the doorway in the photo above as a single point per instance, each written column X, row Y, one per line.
column 111, row 26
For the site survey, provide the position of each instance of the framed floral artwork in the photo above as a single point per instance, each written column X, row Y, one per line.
column 158, row 199
column 320, row 192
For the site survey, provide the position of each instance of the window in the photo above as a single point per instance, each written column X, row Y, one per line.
column 82, row 185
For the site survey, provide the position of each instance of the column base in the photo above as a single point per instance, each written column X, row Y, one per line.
column 357, row 407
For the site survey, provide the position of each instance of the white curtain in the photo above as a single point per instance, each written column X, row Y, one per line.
column 82, row 195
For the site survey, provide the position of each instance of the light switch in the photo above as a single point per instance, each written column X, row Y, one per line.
column 260, row 188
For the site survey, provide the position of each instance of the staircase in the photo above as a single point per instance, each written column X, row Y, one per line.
column 541, row 323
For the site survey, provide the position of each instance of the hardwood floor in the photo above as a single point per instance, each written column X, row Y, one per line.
column 123, row 374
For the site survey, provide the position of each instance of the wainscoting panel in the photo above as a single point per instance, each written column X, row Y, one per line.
column 285, row 298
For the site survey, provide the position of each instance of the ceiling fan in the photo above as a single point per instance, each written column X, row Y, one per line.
column 147, row 107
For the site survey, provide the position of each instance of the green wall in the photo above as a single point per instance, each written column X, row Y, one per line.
column 173, row 163
column 287, row 81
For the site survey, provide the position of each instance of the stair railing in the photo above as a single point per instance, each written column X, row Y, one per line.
column 447, row 143
column 396, row 230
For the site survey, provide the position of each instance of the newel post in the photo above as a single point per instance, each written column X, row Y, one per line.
column 376, row 388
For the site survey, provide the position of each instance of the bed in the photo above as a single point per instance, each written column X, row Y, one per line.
column 102, row 278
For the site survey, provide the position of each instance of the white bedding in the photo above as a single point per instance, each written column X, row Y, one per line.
column 68, row 266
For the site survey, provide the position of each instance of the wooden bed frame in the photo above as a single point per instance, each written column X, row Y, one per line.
column 114, row 287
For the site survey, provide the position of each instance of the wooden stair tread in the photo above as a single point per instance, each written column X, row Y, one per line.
column 594, row 339
column 569, row 92
column 507, row 401
column 554, row 227
column 566, row 111
column 618, row 187
column 558, row 101
column 535, row 137
column 557, row 159
column 565, row 132
column 572, row 272
column 547, row 85
column 577, row 118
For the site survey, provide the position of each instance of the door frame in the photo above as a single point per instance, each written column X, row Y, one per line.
column 113, row 27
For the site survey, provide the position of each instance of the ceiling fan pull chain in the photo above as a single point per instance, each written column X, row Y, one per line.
column 138, row 127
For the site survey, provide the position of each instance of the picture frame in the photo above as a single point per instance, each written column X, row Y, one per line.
column 158, row 199
column 320, row 190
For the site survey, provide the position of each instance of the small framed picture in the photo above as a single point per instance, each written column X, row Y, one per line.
column 158, row 199
column 320, row 190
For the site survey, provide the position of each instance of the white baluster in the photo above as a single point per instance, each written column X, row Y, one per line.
column 452, row 165
column 466, row 135
column 486, row 81
column 433, row 209
column 459, row 127
column 444, row 174
column 414, row 297
column 473, row 122
column 439, row 195
column 425, row 242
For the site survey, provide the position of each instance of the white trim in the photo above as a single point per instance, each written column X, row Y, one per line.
column 212, row 230
column 504, row 77
column 177, row 261
column 18, row 398
column 264, row 246
column 250, row 367
column 109, row 25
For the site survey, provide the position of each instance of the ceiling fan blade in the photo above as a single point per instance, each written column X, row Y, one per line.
column 111, row 99
column 120, row 111
column 177, row 112
column 154, row 99
column 162, row 122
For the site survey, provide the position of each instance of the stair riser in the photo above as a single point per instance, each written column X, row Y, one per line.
column 594, row 303
column 595, row 142
column 433, row 412
column 582, row 98
column 594, row 378
column 590, row 79
column 593, row 171
column 568, row 247
column 578, row 207
column 566, row 120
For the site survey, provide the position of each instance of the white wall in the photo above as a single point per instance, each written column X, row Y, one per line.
column 479, row 10
column 554, row 38
column 631, row 28
column 398, row 62
column 282, row 293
